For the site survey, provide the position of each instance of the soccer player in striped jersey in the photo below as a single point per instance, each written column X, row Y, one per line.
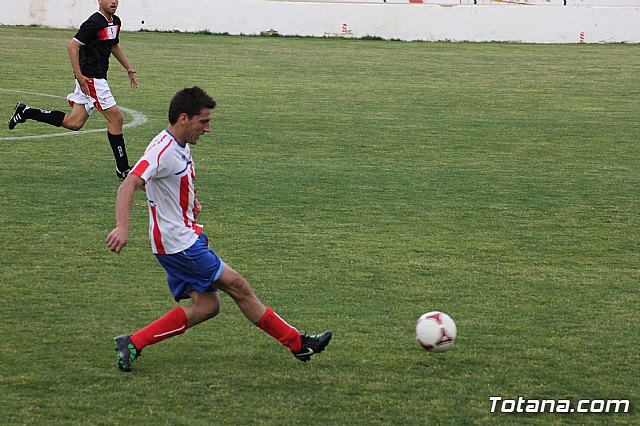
column 167, row 174
column 89, row 51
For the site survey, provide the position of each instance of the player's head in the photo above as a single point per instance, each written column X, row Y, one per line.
column 189, row 101
column 108, row 7
column 190, row 114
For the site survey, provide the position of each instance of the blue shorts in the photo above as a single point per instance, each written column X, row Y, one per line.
column 195, row 268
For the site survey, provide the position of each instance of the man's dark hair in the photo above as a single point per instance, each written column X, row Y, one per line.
column 190, row 101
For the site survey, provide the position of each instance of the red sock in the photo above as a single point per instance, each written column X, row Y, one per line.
column 278, row 328
column 173, row 323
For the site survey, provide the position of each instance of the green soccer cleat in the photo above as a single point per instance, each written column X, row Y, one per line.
column 127, row 352
column 312, row 345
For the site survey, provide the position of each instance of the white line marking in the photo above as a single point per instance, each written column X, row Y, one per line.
column 138, row 120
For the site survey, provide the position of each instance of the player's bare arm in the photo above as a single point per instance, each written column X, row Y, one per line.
column 74, row 57
column 117, row 53
column 197, row 208
column 119, row 237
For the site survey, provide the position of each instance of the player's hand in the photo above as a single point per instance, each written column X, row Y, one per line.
column 197, row 208
column 132, row 77
column 117, row 239
column 84, row 84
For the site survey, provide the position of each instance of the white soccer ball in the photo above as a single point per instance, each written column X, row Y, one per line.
column 436, row 331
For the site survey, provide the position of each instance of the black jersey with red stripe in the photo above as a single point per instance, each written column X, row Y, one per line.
column 97, row 35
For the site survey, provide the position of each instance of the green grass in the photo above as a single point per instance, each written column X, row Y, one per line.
column 357, row 184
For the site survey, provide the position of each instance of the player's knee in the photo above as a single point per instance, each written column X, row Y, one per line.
column 240, row 288
column 74, row 125
column 117, row 120
column 211, row 311
column 205, row 311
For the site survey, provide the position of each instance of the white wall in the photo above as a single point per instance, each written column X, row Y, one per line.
column 487, row 2
column 527, row 23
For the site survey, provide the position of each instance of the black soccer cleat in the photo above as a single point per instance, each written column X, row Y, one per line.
column 312, row 345
column 127, row 352
column 18, row 115
column 122, row 175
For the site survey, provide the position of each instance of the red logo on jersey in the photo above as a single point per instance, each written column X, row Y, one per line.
column 108, row 33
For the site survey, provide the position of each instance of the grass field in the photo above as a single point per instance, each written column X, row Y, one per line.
column 357, row 184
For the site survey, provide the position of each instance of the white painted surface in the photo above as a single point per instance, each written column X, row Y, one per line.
column 537, row 23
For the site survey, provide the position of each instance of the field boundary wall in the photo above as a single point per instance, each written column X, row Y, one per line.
column 407, row 20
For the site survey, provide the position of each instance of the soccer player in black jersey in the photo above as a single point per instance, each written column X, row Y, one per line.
column 89, row 51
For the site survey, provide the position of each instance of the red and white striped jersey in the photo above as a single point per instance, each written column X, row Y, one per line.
column 167, row 168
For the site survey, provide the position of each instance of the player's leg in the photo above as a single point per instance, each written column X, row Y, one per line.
column 116, row 139
column 203, row 307
column 190, row 274
column 175, row 322
column 114, row 118
column 302, row 346
column 129, row 347
column 76, row 119
column 24, row 112
column 81, row 104
column 236, row 286
column 101, row 97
